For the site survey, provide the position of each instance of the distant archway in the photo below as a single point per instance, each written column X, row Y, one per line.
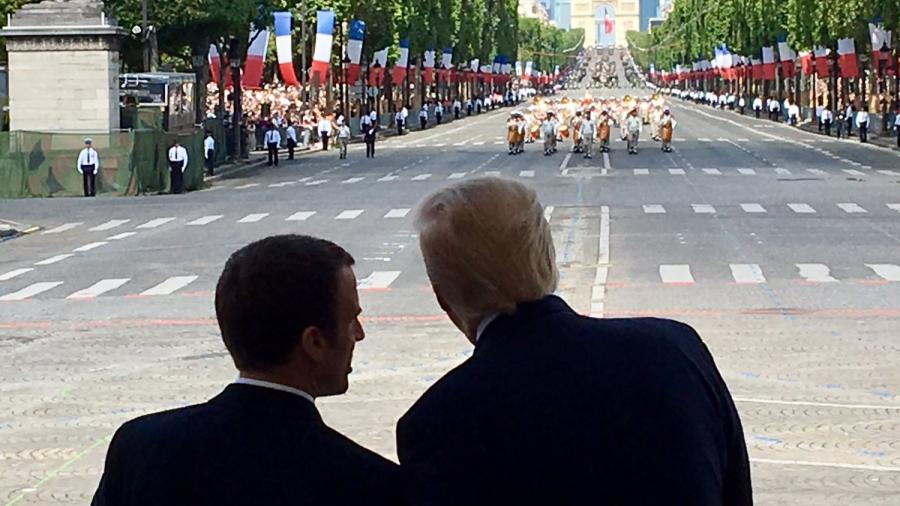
column 605, row 24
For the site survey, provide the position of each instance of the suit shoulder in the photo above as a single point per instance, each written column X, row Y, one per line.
column 162, row 424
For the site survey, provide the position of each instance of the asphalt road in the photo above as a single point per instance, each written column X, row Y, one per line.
column 781, row 247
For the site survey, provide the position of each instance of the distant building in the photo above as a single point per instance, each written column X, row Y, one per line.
column 605, row 22
column 534, row 9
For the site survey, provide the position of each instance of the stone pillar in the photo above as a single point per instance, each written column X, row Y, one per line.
column 63, row 67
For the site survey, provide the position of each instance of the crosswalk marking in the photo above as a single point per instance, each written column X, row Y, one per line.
column 753, row 208
column 89, row 246
column 387, row 178
column 457, row 175
column 349, row 214
column 852, row 208
column 352, row 180
column 378, row 280
column 397, row 213
column 121, row 236
column 252, row 218
column 802, row 208
column 747, row 172
column 677, row 172
column 54, row 259
column 641, row 172
column 713, row 172
column 245, row 186
column 421, row 177
column 156, row 223
column 704, row 139
column 300, row 216
column 894, row 207
column 743, row 140
column 317, row 182
column 888, row 172
column 782, row 171
column 206, row 220
column 170, row 285
column 526, row 173
column 888, row 272
column 497, row 143
column 14, row 273
column 818, row 172
column 282, row 184
column 493, row 173
column 703, row 208
column 99, row 288
column 816, row 273
column 478, row 143
column 676, row 274
column 747, row 273
column 854, row 172
column 30, row 291
column 548, row 212
column 654, row 209
column 62, row 228
column 108, row 225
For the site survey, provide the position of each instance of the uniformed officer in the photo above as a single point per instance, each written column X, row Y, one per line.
column 88, row 165
column 588, row 129
column 273, row 141
column 178, row 161
column 209, row 152
column 291, row 134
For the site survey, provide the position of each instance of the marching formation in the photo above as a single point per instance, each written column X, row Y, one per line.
column 588, row 122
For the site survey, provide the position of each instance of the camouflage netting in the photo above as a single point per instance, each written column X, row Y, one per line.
column 42, row 164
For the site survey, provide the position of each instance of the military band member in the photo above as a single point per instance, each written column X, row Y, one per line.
column 587, row 131
column 666, row 128
column 604, row 128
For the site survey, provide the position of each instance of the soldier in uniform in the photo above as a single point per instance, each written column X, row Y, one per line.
column 512, row 133
column 604, row 127
column 577, row 139
column 666, row 127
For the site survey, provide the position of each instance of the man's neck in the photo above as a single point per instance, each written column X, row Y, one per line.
column 280, row 379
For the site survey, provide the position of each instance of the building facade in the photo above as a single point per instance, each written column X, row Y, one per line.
column 605, row 22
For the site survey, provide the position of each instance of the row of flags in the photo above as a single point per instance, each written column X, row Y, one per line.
column 732, row 66
column 498, row 71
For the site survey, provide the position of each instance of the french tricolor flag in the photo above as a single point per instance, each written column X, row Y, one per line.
column 256, row 55
column 400, row 67
column 322, row 55
column 283, row 47
column 428, row 67
column 846, row 50
column 215, row 63
column 354, row 49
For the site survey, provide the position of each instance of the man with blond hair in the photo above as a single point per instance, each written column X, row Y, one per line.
column 553, row 407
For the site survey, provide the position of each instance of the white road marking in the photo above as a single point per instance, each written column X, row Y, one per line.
column 548, row 212
column 894, row 207
column 31, row 291
column 852, row 208
column 387, row 178
column 99, row 288
column 253, row 218
column 743, row 140
column 654, row 209
column 598, row 291
column 818, row 404
column 704, row 139
column 53, row 260
column 494, row 173
column 378, row 280
column 108, row 225
column 606, row 165
column 300, row 216
column 818, row 172
column 245, row 186
column 854, row 172
column 478, row 143
column 316, row 182
column 888, row 272
column 782, row 171
column 62, row 228
column 747, row 273
column 677, row 172
column 421, row 177
column 676, row 274
column 753, row 208
column 457, row 175
column 802, row 208
column 156, row 223
column 14, row 273
column 526, row 173
column 703, row 209
column 888, row 172
column 282, row 184
column 121, row 236
column 747, row 172
column 352, row 180
column 397, row 213
column 713, row 172
column 564, row 163
column 89, row 246
column 816, row 273
column 641, row 172
column 349, row 214
column 206, row 220
column 496, row 143
column 170, row 285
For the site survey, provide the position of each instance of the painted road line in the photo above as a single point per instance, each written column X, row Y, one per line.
column 300, row 216
column 888, row 172
column 676, row 274
column 156, row 223
column 397, row 213
column 99, row 288
column 349, row 214
column 782, row 171
column 378, row 280
column 478, row 143
column 548, row 212
column 743, row 140
column 677, row 172
column 352, row 180
column 894, row 207
column 119, row 237
column 108, row 225
column 493, row 173
column 802, row 208
column 387, row 178
column 852, row 208
column 31, row 291
column 317, row 182
column 747, row 273
column 654, row 209
column 245, row 186
column 713, row 172
column 205, row 220
column 421, row 177
column 704, row 139
column 888, row 272
column 54, row 259
column 598, row 291
column 62, row 228
column 526, row 173
column 747, row 172
column 282, row 184
column 457, row 175
column 606, row 165
column 641, row 172
column 15, row 273
column 170, row 285
column 89, row 246
column 253, row 218
column 816, row 273
column 854, row 172
column 563, row 166
column 753, row 208
column 818, row 172
column 703, row 209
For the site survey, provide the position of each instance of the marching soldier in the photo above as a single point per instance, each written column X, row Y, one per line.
column 586, row 131
column 512, row 133
column 633, row 126
column 548, row 131
column 577, row 139
column 604, row 127
column 178, row 160
column 88, row 165
column 666, row 128
column 522, row 128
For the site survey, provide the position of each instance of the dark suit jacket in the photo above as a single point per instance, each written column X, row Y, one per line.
column 554, row 408
column 247, row 446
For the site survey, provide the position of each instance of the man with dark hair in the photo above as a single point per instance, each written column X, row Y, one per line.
column 288, row 311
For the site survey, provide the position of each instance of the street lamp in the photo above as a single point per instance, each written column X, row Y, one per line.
column 234, row 60
column 345, row 90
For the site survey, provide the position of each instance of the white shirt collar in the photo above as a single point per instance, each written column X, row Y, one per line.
column 274, row 386
column 484, row 325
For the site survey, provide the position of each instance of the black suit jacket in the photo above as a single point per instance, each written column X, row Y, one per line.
column 247, row 446
column 554, row 408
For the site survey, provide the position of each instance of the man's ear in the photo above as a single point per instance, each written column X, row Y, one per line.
column 314, row 344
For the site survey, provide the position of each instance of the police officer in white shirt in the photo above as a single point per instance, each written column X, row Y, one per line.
column 178, row 160
column 438, row 111
column 88, row 165
column 423, row 116
column 209, row 152
column 273, row 142
column 862, row 123
column 291, row 134
column 324, row 131
column 827, row 118
column 757, row 106
column 457, row 106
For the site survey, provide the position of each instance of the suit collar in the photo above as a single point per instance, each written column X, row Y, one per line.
column 266, row 401
column 525, row 314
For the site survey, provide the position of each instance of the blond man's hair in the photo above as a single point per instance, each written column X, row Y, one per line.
column 487, row 246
